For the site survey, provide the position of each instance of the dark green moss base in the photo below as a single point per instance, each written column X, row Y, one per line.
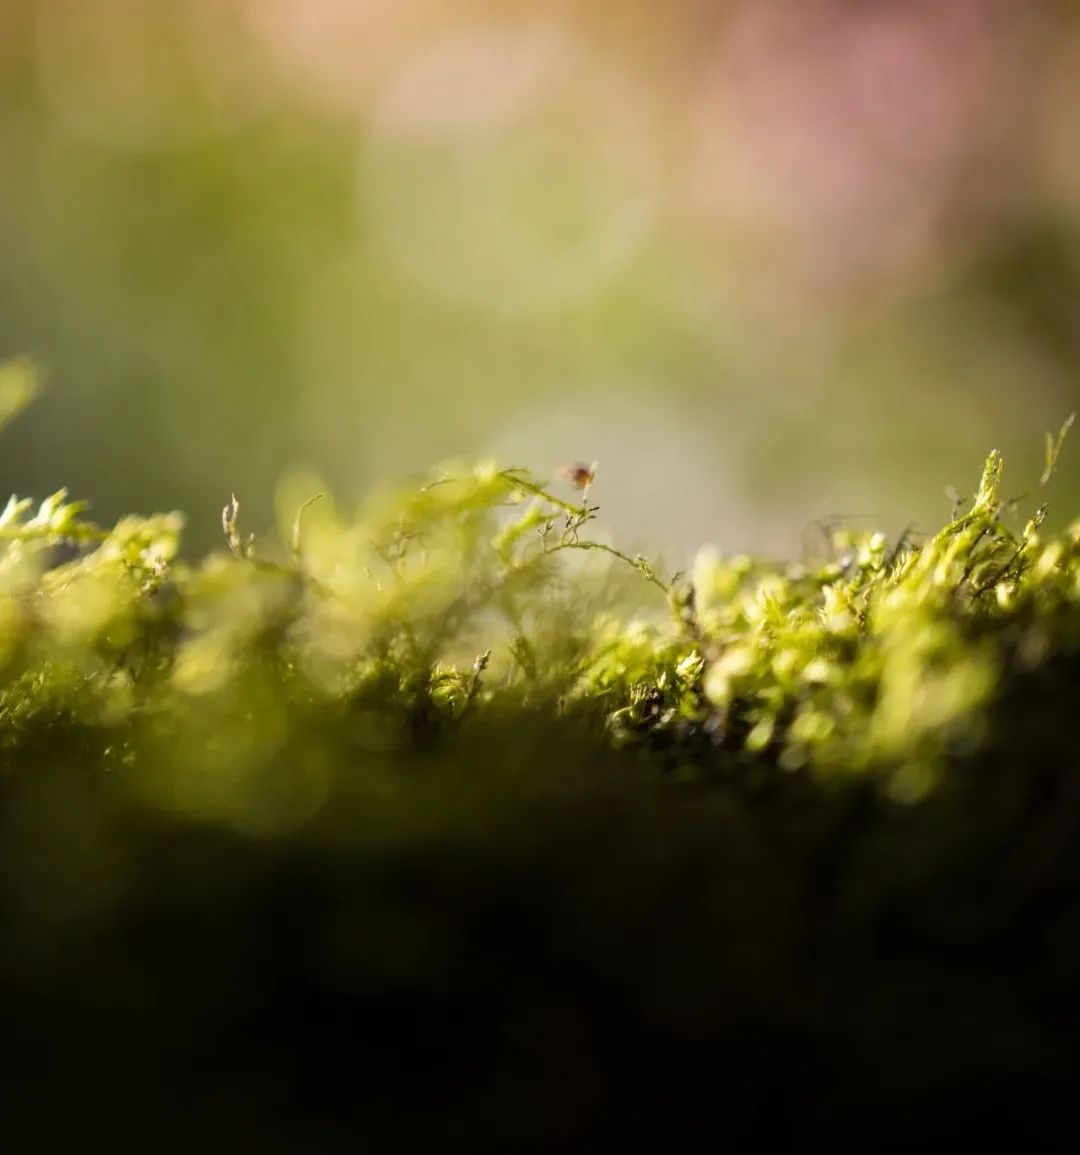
column 564, row 951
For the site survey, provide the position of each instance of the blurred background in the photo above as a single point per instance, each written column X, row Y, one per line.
column 766, row 261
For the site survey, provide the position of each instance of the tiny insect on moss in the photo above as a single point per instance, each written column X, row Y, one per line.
column 580, row 474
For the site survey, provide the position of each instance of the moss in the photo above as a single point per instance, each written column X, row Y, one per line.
column 434, row 607
column 552, row 847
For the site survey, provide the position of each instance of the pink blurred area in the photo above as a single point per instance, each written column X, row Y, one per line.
column 873, row 136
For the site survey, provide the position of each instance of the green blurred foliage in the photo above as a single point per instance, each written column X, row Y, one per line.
column 714, row 246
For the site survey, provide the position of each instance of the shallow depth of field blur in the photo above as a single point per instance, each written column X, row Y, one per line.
column 766, row 261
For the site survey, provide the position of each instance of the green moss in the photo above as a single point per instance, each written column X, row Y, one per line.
column 753, row 848
column 434, row 607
